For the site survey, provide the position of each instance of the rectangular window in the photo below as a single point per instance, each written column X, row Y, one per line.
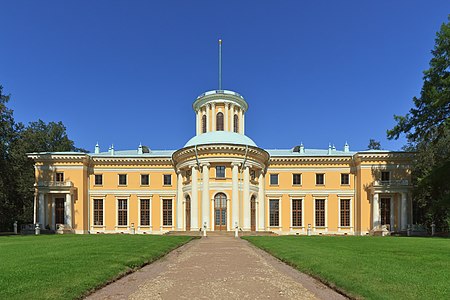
column 122, row 179
column 345, row 179
column 320, row 212
column 273, row 179
column 145, row 179
column 320, row 178
column 145, row 212
column 385, row 176
column 167, row 179
column 296, row 179
column 98, row 179
column 98, row 212
column 345, row 212
column 59, row 177
column 297, row 212
column 220, row 172
column 122, row 212
column 274, row 214
column 167, row 212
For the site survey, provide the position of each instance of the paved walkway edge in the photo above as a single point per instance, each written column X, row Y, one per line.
column 133, row 270
column 314, row 283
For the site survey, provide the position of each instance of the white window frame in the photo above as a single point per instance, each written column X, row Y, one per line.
column 301, row 179
column 224, row 172
column 92, row 226
column 95, row 184
column 162, row 226
column 280, row 221
column 118, row 179
column 171, row 180
column 324, row 179
column 278, row 179
column 320, row 197
column 339, row 212
column 302, row 198
column 150, row 213
column 349, row 180
column 125, row 197
column 140, row 179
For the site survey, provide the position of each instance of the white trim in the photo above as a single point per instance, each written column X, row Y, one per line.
column 324, row 179
column 92, row 226
column 117, row 212
column 301, row 180
column 139, row 226
column 349, row 180
column 308, row 170
column 54, row 168
column 144, row 192
column 140, row 179
column 320, row 228
column 118, row 179
column 340, row 227
column 137, row 170
column 275, row 192
column 280, row 223
column 291, row 226
column 161, row 225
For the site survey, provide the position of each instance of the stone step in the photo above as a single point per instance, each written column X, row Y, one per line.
column 222, row 233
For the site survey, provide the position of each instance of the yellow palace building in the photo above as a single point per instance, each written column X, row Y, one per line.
column 221, row 180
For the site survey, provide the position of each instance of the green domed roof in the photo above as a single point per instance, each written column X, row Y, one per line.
column 220, row 137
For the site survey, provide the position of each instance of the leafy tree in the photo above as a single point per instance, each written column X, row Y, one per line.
column 427, row 129
column 374, row 145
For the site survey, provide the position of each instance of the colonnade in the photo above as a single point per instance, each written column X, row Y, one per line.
column 44, row 199
column 210, row 111
column 402, row 205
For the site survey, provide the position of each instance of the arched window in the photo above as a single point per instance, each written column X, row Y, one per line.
column 236, row 123
column 219, row 121
column 204, row 124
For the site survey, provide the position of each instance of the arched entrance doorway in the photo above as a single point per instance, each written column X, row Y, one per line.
column 253, row 213
column 188, row 213
column 220, row 211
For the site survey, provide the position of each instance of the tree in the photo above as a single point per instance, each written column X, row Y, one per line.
column 427, row 129
column 17, row 171
column 374, row 145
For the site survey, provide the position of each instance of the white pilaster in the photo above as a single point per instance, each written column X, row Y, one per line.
column 180, row 200
column 235, row 194
column 42, row 210
column 246, row 204
column 213, row 116
column 261, row 201
column 53, row 225
column 404, row 219
column 376, row 210
column 68, row 210
column 227, row 108
column 392, row 214
column 194, row 199
column 205, row 196
column 399, row 212
column 241, row 125
column 198, row 125
column 208, row 118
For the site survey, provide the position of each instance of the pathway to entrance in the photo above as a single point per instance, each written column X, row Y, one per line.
column 217, row 268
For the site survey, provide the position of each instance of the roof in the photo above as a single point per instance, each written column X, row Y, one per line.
column 134, row 153
column 220, row 137
column 308, row 152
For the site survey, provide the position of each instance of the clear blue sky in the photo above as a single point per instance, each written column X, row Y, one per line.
column 125, row 72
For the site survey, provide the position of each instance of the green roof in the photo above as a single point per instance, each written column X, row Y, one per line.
column 220, row 137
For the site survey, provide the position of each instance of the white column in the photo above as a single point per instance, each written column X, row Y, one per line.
column 261, row 201
column 213, row 116
column 404, row 219
column 399, row 212
column 208, row 118
column 53, row 225
column 68, row 210
column 376, row 210
column 246, row 203
column 241, row 124
column 205, row 196
column 227, row 108
column 392, row 214
column 235, row 194
column 180, row 201
column 232, row 118
column 197, row 123
column 194, row 199
column 42, row 210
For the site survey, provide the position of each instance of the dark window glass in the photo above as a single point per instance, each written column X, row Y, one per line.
column 98, row 179
column 219, row 122
column 320, row 178
column 220, row 172
column 122, row 212
column 296, row 179
column 252, row 174
column 122, row 179
column 320, row 212
column 273, row 179
column 167, row 212
column 98, row 212
column 345, row 212
column 145, row 212
column 167, row 179
column 274, row 214
column 145, row 179
column 203, row 123
column 297, row 212
column 235, row 123
column 385, row 176
column 59, row 177
column 345, row 179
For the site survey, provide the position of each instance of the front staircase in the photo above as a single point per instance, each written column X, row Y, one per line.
column 222, row 233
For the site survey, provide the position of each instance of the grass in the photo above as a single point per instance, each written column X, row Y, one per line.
column 369, row 267
column 68, row 266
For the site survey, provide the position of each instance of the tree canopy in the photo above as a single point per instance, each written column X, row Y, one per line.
column 427, row 129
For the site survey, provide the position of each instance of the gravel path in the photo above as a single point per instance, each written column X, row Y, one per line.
column 217, row 268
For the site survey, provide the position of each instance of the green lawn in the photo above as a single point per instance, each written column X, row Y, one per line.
column 67, row 266
column 369, row 267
